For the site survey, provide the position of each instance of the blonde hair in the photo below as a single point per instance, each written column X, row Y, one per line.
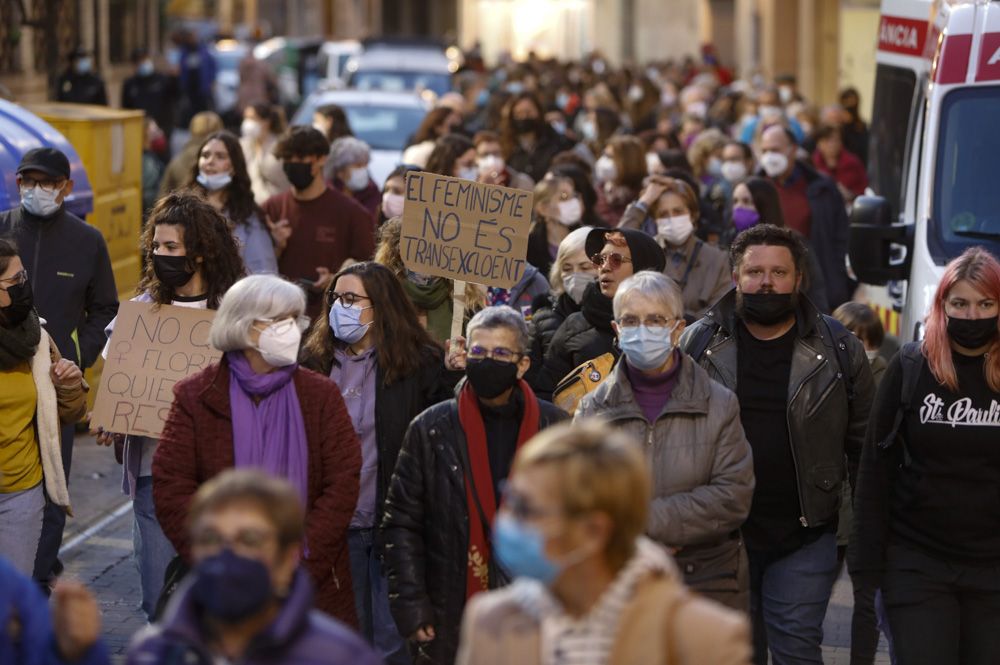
column 599, row 469
column 575, row 242
column 205, row 123
column 707, row 142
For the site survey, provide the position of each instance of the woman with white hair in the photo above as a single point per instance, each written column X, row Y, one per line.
column 347, row 171
column 257, row 408
column 701, row 462
column 570, row 273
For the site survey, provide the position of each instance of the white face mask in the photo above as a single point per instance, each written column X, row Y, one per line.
column 39, row 202
column 733, row 172
column 872, row 354
column 214, row 182
column 392, row 204
column 491, row 164
column 468, row 173
column 251, row 129
column 358, row 179
column 675, row 230
column 279, row 343
column 574, row 284
column 570, row 211
column 715, row 166
column 605, row 170
column 774, row 163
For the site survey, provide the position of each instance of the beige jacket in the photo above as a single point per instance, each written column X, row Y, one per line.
column 267, row 177
column 664, row 624
column 710, row 276
column 55, row 404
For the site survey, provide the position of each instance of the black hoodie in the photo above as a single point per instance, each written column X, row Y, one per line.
column 70, row 272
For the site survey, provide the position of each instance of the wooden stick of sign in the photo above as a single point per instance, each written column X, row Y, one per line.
column 457, row 309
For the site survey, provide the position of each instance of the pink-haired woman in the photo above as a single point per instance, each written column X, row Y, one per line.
column 927, row 506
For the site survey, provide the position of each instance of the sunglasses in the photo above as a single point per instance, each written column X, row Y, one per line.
column 614, row 260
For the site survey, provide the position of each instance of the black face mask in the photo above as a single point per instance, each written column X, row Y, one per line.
column 230, row 587
column 525, row 125
column 21, row 302
column 298, row 173
column 766, row 309
column 172, row 270
column 972, row 333
column 490, row 378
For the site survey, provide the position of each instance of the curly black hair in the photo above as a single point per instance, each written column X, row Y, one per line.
column 240, row 204
column 207, row 235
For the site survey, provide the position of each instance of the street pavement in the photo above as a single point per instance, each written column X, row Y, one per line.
column 97, row 550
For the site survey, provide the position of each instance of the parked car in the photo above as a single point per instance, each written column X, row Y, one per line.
column 296, row 60
column 383, row 120
column 400, row 65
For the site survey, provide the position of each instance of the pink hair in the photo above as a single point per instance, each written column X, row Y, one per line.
column 977, row 267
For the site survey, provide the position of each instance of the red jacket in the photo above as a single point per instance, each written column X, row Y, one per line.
column 849, row 172
column 197, row 444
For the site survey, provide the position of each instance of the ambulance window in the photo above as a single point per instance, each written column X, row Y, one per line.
column 966, row 201
column 889, row 131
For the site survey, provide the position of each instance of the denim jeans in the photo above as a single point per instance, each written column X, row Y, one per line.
column 788, row 598
column 151, row 549
column 371, row 596
column 21, row 526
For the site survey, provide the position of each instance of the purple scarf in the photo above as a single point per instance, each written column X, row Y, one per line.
column 270, row 435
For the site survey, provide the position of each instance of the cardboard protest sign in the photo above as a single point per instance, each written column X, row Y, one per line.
column 465, row 230
column 151, row 349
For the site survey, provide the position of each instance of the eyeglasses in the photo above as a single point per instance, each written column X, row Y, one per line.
column 46, row 185
column 246, row 542
column 349, row 299
column 500, row 354
column 520, row 507
column 614, row 260
column 651, row 321
column 17, row 280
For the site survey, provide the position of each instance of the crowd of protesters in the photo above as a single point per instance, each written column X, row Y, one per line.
column 659, row 446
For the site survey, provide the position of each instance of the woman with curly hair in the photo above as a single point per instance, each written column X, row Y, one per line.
column 190, row 259
column 220, row 176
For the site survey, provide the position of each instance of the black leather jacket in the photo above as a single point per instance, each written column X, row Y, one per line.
column 824, row 425
column 426, row 527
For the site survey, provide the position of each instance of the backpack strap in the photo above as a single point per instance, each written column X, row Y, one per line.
column 701, row 340
column 911, row 361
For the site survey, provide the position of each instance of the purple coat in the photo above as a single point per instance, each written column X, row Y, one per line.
column 299, row 634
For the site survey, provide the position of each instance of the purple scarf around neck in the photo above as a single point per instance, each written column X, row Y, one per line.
column 270, row 435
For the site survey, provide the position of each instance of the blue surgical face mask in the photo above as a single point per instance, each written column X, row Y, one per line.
column 520, row 549
column 345, row 322
column 647, row 348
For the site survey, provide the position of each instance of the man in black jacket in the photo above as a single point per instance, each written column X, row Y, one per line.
column 69, row 271
column 812, row 205
column 804, row 388
column 79, row 84
column 150, row 91
column 446, row 487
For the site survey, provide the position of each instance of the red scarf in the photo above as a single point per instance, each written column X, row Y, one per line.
column 477, row 575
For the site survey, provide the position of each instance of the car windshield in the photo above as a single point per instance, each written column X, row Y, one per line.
column 381, row 127
column 394, row 81
column 966, row 209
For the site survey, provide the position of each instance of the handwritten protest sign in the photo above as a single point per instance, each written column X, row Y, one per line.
column 151, row 349
column 465, row 230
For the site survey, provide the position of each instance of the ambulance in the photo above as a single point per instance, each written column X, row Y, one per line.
column 934, row 154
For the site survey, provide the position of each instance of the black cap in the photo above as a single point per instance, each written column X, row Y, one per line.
column 49, row 161
column 646, row 254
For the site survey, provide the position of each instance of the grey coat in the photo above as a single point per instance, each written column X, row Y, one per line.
column 702, row 471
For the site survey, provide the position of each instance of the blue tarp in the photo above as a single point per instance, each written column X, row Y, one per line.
column 20, row 131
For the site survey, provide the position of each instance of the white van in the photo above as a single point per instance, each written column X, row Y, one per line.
column 934, row 155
